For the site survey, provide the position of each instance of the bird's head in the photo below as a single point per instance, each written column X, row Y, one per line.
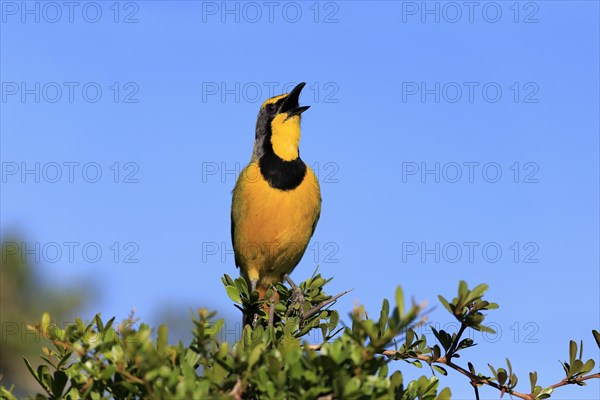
column 278, row 125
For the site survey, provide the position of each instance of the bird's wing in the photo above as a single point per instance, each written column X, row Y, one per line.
column 317, row 216
column 234, row 203
column 237, row 264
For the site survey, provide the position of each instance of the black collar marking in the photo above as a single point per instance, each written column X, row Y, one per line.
column 284, row 175
column 280, row 174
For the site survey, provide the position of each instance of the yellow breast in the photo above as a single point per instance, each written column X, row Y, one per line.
column 272, row 226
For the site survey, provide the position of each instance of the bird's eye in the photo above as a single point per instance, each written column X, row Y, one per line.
column 271, row 108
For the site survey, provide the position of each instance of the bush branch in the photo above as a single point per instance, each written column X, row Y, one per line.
column 475, row 379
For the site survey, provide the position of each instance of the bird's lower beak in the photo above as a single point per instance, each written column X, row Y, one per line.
column 297, row 111
column 290, row 106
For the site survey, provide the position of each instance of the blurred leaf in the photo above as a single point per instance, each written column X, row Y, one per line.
column 400, row 300
column 161, row 341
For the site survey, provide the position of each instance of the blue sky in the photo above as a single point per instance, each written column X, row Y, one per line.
column 451, row 143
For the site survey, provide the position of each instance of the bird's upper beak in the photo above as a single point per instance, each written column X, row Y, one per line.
column 290, row 105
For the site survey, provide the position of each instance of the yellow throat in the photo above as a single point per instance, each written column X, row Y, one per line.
column 286, row 136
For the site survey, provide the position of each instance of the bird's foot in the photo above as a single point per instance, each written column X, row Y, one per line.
column 297, row 297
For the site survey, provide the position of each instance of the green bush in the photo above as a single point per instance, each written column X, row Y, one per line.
column 273, row 360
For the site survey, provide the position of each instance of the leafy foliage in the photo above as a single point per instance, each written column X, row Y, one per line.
column 273, row 358
column 23, row 297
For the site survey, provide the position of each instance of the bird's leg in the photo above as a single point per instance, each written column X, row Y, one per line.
column 297, row 295
column 250, row 315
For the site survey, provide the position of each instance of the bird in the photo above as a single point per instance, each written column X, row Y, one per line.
column 276, row 201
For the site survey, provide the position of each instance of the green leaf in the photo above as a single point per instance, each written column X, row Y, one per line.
column 478, row 291
column 445, row 304
column 247, row 335
column 494, row 373
column 471, row 368
column 58, row 383
column 31, row 371
column 483, row 328
column 502, row 376
column 396, row 379
column 241, row 285
column 352, row 386
column 6, row 394
column 463, row 290
column 45, row 321
column 440, row 370
column 45, row 379
column 383, row 317
column 588, row 366
column 596, row 336
column 465, row 343
column 333, row 320
column 533, row 380
column 513, row 380
column 400, row 300
column 233, row 294
column 566, row 367
column 575, row 367
column 161, row 340
column 109, row 324
column 544, row 394
column 255, row 354
column 99, row 323
column 572, row 352
column 443, row 337
column 315, row 273
column 445, row 394
column 510, row 371
column 66, row 356
column 435, row 352
column 108, row 372
column 227, row 280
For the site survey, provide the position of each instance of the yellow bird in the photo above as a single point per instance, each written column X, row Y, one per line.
column 276, row 199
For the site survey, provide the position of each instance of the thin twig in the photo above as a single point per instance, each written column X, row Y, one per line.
column 452, row 349
column 565, row 382
column 476, row 388
column 475, row 379
column 297, row 296
column 237, row 390
column 324, row 303
column 290, row 281
column 485, row 381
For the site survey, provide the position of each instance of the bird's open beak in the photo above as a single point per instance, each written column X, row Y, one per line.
column 290, row 105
